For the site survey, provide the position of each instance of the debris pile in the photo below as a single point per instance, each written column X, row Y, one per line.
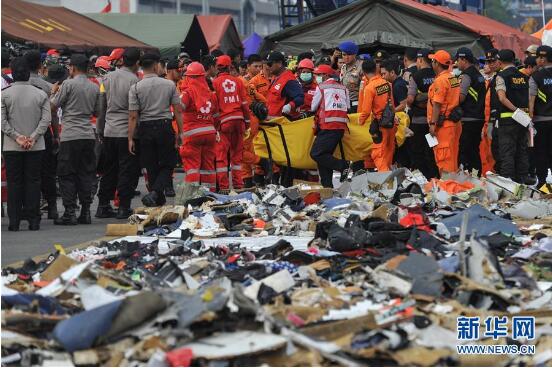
column 384, row 270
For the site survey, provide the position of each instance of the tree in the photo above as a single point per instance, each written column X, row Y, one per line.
column 497, row 10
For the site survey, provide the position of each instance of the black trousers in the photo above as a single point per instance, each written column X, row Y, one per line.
column 469, row 145
column 48, row 169
column 121, row 171
column 495, row 147
column 77, row 172
column 322, row 151
column 157, row 153
column 543, row 149
column 23, row 179
column 421, row 155
column 512, row 145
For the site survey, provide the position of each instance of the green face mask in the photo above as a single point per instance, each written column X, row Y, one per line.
column 306, row 77
column 319, row 79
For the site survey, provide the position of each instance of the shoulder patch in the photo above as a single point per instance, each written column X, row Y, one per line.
column 384, row 88
column 454, row 82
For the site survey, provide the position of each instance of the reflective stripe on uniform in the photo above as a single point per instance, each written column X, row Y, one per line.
column 473, row 93
column 506, row 114
column 236, row 167
column 541, row 95
column 222, row 169
column 228, row 118
column 206, row 172
column 192, row 171
column 199, row 130
column 331, row 119
column 271, row 117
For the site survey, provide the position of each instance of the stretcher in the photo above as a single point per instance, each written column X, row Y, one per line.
column 288, row 143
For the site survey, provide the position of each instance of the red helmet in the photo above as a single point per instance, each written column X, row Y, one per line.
column 116, row 54
column 52, row 52
column 224, row 60
column 324, row 69
column 306, row 64
column 102, row 62
column 195, row 69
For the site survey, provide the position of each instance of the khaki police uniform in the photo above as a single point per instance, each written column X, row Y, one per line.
column 350, row 77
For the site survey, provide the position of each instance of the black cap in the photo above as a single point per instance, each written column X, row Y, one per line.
column 381, row 55
column 464, row 52
column 151, row 56
column 506, row 55
column 172, row 64
column 423, row 53
column 544, row 51
column 56, row 73
column 78, row 59
column 491, row 54
column 276, row 57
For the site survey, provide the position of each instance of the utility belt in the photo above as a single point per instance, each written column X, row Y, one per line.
column 455, row 116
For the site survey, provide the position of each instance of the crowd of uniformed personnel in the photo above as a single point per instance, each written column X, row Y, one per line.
column 97, row 125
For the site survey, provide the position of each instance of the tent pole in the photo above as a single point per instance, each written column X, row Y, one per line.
column 543, row 16
column 177, row 6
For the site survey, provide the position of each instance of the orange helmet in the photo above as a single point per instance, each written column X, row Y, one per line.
column 195, row 69
column 306, row 64
column 102, row 62
column 116, row 54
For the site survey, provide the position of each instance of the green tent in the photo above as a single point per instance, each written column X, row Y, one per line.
column 167, row 32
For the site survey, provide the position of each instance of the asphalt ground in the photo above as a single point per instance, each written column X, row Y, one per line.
column 20, row 245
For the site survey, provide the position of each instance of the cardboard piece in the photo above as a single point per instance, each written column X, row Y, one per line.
column 61, row 264
column 121, row 230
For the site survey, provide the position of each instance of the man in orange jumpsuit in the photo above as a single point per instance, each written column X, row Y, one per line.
column 200, row 108
column 234, row 120
column 444, row 96
column 377, row 95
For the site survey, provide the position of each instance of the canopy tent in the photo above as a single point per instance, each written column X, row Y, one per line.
column 220, row 32
column 399, row 23
column 58, row 27
column 545, row 34
column 167, row 32
column 252, row 44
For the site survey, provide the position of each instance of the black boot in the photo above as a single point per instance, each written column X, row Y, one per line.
column 68, row 218
column 85, row 216
column 34, row 224
column 169, row 191
column 13, row 226
column 150, row 199
column 105, row 211
column 124, row 213
column 52, row 210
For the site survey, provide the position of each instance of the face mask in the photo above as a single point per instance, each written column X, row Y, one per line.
column 306, row 77
column 319, row 79
column 456, row 72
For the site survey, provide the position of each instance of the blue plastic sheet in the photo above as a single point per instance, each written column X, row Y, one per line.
column 480, row 221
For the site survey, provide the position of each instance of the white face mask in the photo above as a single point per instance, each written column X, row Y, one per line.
column 456, row 72
column 319, row 79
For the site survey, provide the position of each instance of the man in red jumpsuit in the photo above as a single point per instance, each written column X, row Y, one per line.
column 234, row 120
column 198, row 148
column 285, row 94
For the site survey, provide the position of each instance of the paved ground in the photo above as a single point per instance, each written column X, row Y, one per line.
column 17, row 246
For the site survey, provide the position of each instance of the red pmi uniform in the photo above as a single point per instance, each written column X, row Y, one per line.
column 198, row 149
column 332, row 113
column 275, row 100
column 234, row 120
column 305, row 108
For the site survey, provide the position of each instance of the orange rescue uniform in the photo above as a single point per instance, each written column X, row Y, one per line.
column 375, row 95
column 487, row 159
column 446, row 91
column 257, row 89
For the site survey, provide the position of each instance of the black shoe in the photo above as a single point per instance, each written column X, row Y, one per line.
column 34, row 225
column 529, row 180
column 52, row 210
column 85, row 216
column 105, row 212
column 14, row 227
column 150, row 199
column 345, row 173
column 169, row 192
column 124, row 213
column 66, row 219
